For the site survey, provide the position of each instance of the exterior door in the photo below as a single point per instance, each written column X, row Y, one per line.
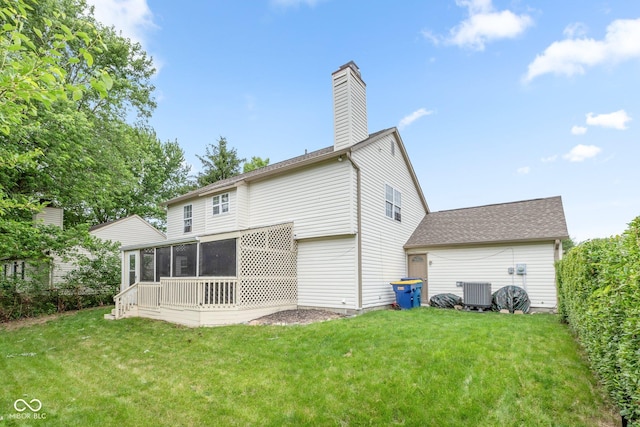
column 418, row 268
column 132, row 269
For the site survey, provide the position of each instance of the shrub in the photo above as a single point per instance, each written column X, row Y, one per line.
column 94, row 281
column 96, row 278
column 599, row 292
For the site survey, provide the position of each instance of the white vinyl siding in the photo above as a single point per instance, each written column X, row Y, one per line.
column 129, row 231
column 319, row 200
column 49, row 216
column 327, row 273
column 175, row 218
column 490, row 264
column 383, row 255
column 225, row 221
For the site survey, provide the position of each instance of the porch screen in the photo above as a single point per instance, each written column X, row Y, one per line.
column 218, row 258
column 147, row 269
column 163, row 262
column 184, row 260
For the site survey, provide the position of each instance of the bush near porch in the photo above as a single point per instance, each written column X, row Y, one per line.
column 599, row 293
column 93, row 281
column 423, row 366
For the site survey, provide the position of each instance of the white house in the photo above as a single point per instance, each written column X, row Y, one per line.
column 342, row 215
column 124, row 231
column 325, row 229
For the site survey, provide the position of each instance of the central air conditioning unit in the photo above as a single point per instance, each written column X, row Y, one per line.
column 476, row 295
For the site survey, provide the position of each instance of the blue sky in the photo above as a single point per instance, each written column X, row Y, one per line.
column 496, row 101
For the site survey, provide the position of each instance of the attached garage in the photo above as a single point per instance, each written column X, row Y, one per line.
column 505, row 244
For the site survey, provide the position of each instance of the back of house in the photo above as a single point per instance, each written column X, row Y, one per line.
column 350, row 208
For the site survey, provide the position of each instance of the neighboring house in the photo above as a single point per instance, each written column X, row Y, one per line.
column 22, row 269
column 326, row 229
column 504, row 244
column 125, row 231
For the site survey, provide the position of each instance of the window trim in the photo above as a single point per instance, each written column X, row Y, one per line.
column 187, row 220
column 221, row 204
column 393, row 205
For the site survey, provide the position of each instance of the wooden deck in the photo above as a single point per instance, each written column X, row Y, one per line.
column 202, row 301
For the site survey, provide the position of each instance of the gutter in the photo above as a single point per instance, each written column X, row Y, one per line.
column 359, row 225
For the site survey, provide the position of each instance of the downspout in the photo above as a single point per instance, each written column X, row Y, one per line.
column 359, row 226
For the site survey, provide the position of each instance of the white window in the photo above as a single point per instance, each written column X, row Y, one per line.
column 188, row 211
column 221, row 204
column 393, row 203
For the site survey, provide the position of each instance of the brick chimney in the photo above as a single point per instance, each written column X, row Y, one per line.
column 349, row 107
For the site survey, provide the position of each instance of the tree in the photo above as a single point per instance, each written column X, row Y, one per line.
column 218, row 163
column 567, row 244
column 32, row 79
column 68, row 86
column 255, row 163
column 73, row 146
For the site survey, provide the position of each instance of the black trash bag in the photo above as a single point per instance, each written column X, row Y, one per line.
column 511, row 298
column 445, row 300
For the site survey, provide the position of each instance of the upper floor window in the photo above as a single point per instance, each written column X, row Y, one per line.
column 221, row 204
column 188, row 218
column 393, row 203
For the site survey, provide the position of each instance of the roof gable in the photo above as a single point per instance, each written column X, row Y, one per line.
column 528, row 220
column 121, row 221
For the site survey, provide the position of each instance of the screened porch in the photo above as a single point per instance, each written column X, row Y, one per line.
column 211, row 280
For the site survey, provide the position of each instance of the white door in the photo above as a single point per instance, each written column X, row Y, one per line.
column 418, row 268
column 132, row 263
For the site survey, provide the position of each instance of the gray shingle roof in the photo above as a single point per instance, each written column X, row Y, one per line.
column 528, row 220
column 282, row 166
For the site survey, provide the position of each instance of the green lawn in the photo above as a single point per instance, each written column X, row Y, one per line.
column 424, row 367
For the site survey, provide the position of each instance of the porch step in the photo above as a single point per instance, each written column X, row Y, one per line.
column 111, row 316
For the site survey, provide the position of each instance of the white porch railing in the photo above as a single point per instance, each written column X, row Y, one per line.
column 149, row 295
column 125, row 301
column 203, row 293
column 195, row 293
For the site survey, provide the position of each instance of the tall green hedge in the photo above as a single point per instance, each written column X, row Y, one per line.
column 599, row 296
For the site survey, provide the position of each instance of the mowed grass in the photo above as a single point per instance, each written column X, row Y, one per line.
column 424, row 367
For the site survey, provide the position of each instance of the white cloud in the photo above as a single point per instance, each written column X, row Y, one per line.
column 571, row 55
column 549, row 159
column 485, row 24
column 433, row 38
column 523, row 170
column 577, row 29
column 407, row 120
column 616, row 120
column 132, row 17
column 581, row 152
column 578, row 130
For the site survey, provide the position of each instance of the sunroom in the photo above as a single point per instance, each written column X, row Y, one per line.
column 211, row 280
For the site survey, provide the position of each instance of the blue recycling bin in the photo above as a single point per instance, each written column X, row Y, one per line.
column 417, row 292
column 407, row 293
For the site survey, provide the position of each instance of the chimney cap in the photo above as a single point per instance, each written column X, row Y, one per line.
column 351, row 65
